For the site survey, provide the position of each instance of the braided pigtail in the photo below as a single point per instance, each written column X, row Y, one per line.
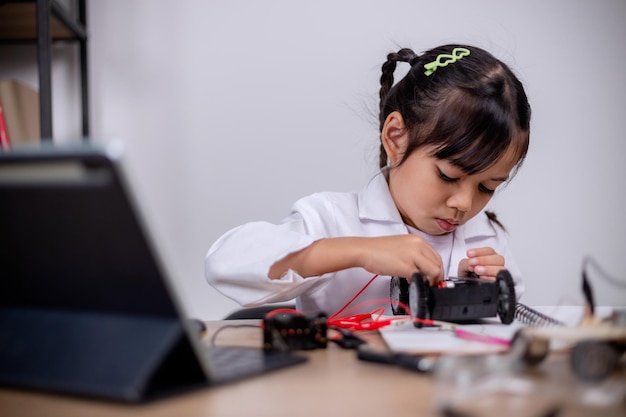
column 494, row 219
column 386, row 83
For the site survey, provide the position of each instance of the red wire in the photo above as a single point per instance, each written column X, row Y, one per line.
column 353, row 298
column 357, row 321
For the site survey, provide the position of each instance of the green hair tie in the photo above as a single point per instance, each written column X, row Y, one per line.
column 457, row 53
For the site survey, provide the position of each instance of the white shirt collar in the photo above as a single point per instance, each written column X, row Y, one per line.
column 375, row 202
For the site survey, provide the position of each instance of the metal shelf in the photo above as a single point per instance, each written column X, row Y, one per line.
column 43, row 22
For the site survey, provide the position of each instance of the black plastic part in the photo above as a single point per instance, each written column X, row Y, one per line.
column 469, row 299
column 294, row 331
column 367, row 353
column 399, row 292
column 419, row 298
column 347, row 339
column 414, row 363
column 116, row 357
column 506, row 296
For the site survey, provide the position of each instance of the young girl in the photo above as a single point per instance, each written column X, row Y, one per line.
column 452, row 131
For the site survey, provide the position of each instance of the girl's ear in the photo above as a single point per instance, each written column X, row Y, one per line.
column 394, row 137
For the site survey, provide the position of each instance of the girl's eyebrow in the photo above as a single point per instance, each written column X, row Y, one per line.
column 500, row 179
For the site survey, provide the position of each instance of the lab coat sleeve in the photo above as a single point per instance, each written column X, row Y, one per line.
column 238, row 263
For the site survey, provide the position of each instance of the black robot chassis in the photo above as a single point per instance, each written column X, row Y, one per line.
column 455, row 299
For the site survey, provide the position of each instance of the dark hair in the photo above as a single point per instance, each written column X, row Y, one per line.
column 471, row 110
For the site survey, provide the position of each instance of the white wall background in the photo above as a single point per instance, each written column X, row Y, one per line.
column 231, row 110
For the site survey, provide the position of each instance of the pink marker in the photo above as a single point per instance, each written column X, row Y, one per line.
column 493, row 340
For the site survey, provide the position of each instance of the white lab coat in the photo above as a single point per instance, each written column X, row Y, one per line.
column 238, row 263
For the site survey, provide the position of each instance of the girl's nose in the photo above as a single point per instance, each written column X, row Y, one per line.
column 461, row 200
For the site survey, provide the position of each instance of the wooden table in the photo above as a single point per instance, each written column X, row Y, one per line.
column 334, row 382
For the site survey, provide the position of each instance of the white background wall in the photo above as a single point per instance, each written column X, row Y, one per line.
column 231, row 110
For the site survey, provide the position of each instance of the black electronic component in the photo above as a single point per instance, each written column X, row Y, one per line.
column 457, row 299
column 415, row 363
column 347, row 339
column 294, row 331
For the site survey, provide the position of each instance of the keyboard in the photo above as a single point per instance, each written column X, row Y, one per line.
column 230, row 363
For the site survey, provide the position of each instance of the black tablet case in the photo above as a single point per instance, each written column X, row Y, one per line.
column 84, row 308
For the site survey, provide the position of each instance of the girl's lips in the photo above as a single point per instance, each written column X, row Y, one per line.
column 447, row 225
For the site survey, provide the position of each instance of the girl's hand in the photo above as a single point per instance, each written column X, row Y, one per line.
column 484, row 262
column 401, row 256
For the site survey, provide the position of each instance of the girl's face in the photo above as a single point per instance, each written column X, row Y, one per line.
column 436, row 197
